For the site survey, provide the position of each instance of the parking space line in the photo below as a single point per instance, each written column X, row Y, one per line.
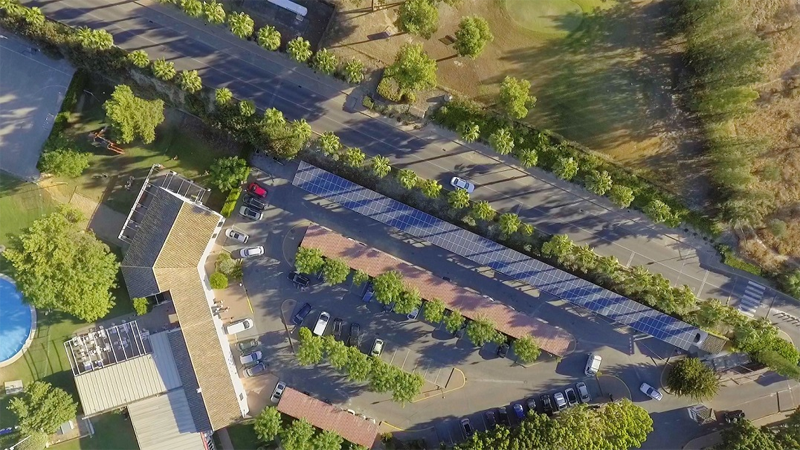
column 392, row 359
column 405, row 359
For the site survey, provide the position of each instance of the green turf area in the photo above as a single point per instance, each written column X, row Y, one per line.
column 550, row 17
column 20, row 204
column 243, row 436
column 111, row 430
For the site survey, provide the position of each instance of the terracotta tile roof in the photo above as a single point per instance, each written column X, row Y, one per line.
column 471, row 304
column 327, row 417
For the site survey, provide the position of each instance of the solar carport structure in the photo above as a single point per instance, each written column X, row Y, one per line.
column 488, row 253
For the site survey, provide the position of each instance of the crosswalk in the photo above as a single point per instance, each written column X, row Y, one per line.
column 751, row 299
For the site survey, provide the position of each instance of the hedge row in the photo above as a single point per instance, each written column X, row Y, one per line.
column 230, row 202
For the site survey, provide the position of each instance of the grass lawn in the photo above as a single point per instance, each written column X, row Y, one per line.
column 243, row 436
column 112, row 432
column 20, row 204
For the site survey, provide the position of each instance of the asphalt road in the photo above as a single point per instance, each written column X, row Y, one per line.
column 272, row 80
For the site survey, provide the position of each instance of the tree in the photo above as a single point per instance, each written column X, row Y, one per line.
column 472, row 36
column 33, row 16
column 94, row 39
column 388, row 287
column 790, row 283
column 458, row 198
column 453, row 321
column 658, row 211
column 408, row 301
column 310, row 351
column 483, row 210
column 407, row 386
column 287, row 141
column 502, row 141
column 481, row 330
column 689, row 377
column 190, row 81
column 79, row 272
column 330, row 145
column 131, row 116
column 223, row 96
column 621, row 196
column 308, row 260
column 381, row 166
column 247, row 108
column 34, row 441
column 215, row 13
column 431, row 188
column 599, row 182
column 267, row 424
column 515, row 97
column 325, row 61
column 413, row 69
column 42, row 408
column 338, row 356
column 624, row 424
column 64, row 162
column 418, row 17
column 527, row 157
column 229, row 173
column 360, row 277
column 433, row 311
column 509, row 223
column 164, row 70
column 218, row 280
column 408, row 179
column 470, row 131
column 297, row 436
column 788, row 436
column 335, row 271
column 139, row 58
column 232, row 268
column 354, row 71
column 299, row 49
column 383, row 376
column 558, row 247
column 709, row 314
column 241, row 24
column 269, row 38
column 359, row 366
column 526, row 229
column 526, row 350
column 192, row 8
column 273, row 119
column 141, row 306
column 327, row 440
column 743, row 435
column 354, row 157
column 566, row 168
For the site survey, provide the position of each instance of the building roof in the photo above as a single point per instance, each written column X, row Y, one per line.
column 131, row 380
column 189, row 380
column 172, row 237
column 471, row 304
column 328, row 417
column 165, row 422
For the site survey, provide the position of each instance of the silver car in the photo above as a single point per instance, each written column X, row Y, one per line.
column 250, row 213
column 277, row 392
column 583, row 392
column 460, row 183
column 650, row 391
column 252, row 251
column 237, row 235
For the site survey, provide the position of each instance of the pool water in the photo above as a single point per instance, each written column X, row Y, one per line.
column 15, row 320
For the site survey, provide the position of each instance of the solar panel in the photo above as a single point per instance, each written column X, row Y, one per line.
column 485, row 252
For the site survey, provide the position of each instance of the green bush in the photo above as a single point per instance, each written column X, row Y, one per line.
column 389, row 90
column 141, row 306
column 218, row 280
column 230, row 203
column 729, row 258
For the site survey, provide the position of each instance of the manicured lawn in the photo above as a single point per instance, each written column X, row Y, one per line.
column 243, row 436
column 20, row 204
column 112, row 431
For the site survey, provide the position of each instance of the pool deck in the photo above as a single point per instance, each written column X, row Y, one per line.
column 28, row 341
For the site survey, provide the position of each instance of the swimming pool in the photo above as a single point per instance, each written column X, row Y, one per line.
column 16, row 319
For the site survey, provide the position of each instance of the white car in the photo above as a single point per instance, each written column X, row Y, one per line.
column 250, row 213
column 278, row 391
column 237, row 235
column 413, row 314
column 252, row 251
column 238, row 326
column 460, row 183
column 650, row 391
column 250, row 358
column 377, row 348
column 322, row 323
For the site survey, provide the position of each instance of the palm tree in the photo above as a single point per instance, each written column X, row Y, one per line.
column 269, row 38
column 470, row 132
column 354, row 71
column 458, row 198
column 381, row 166
column 354, row 157
column 214, row 11
column 330, row 145
column 241, row 24
column 299, row 49
column 585, row 258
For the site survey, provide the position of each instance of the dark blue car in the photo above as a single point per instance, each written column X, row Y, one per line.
column 301, row 315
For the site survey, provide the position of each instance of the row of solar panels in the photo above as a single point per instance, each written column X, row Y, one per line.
column 500, row 258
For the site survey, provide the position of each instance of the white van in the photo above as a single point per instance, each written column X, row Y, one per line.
column 322, row 323
column 593, row 364
column 238, row 326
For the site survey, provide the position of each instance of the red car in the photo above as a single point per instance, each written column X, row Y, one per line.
column 257, row 190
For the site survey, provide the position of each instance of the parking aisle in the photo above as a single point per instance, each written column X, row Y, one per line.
column 411, row 361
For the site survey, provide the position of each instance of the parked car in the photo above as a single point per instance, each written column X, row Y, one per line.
column 257, row 190
column 238, row 326
column 413, row 314
column 377, row 348
column 322, row 323
column 531, row 404
column 583, row 392
column 650, row 391
column 592, row 364
column 237, row 235
column 733, row 416
column 278, row 391
column 248, row 213
column 547, row 404
column 502, row 416
column 561, row 402
column 491, row 421
column 301, row 315
column 299, row 279
column 252, row 251
column 518, row 410
column 468, row 430
column 251, row 358
column 355, row 334
column 255, row 370
column 460, row 183
column 368, row 293
column 255, row 203
column 247, row 345
column 502, row 350
column 337, row 329
column 572, row 399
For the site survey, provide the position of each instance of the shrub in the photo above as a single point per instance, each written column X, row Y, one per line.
column 230, row 202
column 141, row 306
column 218, row 280
column 389, row 90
